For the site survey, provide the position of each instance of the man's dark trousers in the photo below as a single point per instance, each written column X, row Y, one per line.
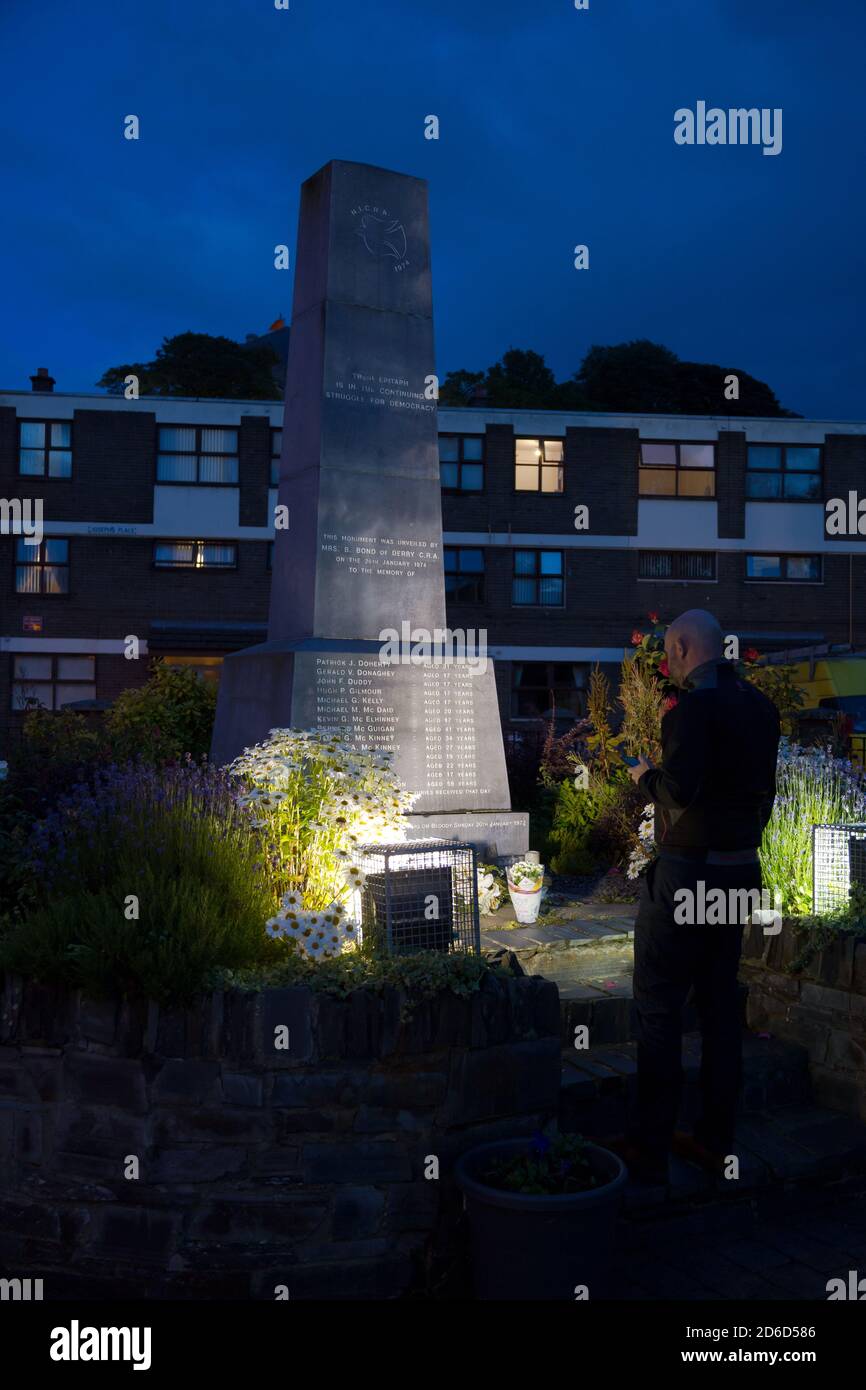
column 669, row 959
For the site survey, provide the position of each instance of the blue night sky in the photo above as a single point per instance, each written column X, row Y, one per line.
column 556, row 128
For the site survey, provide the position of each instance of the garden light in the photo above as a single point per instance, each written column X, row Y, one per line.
column 420, row 899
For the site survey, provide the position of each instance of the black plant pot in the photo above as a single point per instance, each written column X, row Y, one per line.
column 534, row 1247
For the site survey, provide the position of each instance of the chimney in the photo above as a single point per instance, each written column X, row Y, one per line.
column 42, row 381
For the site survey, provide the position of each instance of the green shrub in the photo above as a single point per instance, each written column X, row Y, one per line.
column 186, row 930
column 574, row 815
column 614, row 833
column 143, row 882
column 169, row 716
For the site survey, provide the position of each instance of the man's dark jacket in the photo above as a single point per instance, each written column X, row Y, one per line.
column 717, row 782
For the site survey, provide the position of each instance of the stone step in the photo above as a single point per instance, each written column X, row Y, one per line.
column 598, row 1084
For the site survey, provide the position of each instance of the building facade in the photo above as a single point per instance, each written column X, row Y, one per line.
column 561, row 532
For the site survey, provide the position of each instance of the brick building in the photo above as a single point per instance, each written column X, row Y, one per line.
column 157, row 526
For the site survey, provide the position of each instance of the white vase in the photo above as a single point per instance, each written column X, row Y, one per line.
column 526, row 901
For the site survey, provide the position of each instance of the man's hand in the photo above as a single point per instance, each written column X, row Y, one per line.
column 640, row 767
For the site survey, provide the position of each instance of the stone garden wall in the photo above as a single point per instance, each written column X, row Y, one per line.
column 822, row 1007
column 257, row 1167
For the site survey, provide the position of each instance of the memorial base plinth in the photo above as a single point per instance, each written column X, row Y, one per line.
column 442, row 721
column 497, row 835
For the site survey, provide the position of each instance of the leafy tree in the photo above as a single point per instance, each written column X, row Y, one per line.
column 634, row 377
column 198, row 364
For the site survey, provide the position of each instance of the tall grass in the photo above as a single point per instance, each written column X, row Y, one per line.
column 812, row 788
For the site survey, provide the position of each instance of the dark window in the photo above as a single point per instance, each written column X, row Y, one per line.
column 197, row 454
column 538, row 579
column 795, row 569
column 276, row 446
column 677, row 470
column 50, row 682
column 676, row 564
column 194, row 555
column 538, row 465
column 539, row 687
column 784, row 472
column 464, row 574
column 45, row 448
column 461, row 462
column 43, row 568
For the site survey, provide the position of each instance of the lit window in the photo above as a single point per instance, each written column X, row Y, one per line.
column 194, row 555
column 197, row 454
column 677, row 470
column 43, row 568
column 538, row 465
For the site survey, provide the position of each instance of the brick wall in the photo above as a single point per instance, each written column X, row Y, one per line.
column 257, row 1168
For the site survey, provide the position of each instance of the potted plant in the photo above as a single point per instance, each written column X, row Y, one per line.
column 541, row 1214
column 525, row 882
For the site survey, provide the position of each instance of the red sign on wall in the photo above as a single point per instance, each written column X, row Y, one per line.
column 31, row 624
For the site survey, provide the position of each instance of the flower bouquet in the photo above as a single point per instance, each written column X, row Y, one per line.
column 525, row 883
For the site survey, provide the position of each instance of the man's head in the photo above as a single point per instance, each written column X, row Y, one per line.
column 692, row 638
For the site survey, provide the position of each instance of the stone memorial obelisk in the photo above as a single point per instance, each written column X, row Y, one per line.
column 360, row 562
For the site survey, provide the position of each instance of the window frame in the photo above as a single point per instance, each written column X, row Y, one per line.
column 783, row 471
column 539, row 440
column 676, row 470
column 54, row 680
column 193, row 568
column 460, row 461
column 514, row 690
column 275, row 457
column 45, row 476
column 537, row 576
column 42, row 565
column 784, row 557
column 674, row 579
column 196, row 453
column 479, row 576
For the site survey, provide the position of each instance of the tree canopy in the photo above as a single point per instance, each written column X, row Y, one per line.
column 640, row 376
column 198, row 364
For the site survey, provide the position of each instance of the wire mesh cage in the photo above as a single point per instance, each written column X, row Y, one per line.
column 838, row 861
column 420, row 896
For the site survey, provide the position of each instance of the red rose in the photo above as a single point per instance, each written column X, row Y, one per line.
column 664, row 669
column 751, row 654
column 636, row 638
column 653, row 617
column 670, row 703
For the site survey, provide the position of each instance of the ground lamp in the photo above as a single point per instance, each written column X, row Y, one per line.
column 420, row 897
column 838, row 864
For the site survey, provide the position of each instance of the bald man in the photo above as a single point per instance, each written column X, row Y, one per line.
column 713, row 795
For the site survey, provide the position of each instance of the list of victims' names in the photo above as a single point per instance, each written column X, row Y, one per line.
column 425, row 715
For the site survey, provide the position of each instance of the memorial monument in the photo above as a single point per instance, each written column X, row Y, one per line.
column 358, row 572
